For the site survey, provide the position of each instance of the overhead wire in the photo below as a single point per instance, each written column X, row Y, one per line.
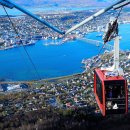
column 22, row 56
column 28, row 55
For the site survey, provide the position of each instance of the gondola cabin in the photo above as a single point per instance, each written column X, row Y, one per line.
column 111, row 93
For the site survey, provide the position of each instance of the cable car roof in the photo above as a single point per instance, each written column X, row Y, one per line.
column 103, row 77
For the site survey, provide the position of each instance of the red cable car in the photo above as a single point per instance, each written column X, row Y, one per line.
column 111, row 93
column 110, row 87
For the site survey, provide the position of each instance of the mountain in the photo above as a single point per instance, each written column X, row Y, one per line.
column 63, row 2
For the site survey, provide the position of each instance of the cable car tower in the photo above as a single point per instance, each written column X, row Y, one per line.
column 110, row 87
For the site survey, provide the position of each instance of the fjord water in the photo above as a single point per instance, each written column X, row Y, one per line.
column 52, row 61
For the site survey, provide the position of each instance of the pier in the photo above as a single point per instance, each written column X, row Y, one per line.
column 97, row 43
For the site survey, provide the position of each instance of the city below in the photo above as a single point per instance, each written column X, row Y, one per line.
column 47, row 79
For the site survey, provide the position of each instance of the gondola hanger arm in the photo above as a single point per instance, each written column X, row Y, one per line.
column 10, row 4
column 117, row 4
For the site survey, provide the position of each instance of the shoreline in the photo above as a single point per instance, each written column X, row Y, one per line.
column 33, row 81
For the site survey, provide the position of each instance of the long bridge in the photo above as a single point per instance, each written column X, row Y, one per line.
column 97, row 43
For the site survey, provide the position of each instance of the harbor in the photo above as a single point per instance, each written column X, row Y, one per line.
column 71, row 49
column 83, row 43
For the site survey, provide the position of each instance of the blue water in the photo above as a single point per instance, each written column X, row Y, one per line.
column 52, row 61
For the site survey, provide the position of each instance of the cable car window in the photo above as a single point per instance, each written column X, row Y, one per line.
column 115, row 89
column 115, row 94
column 99, row 89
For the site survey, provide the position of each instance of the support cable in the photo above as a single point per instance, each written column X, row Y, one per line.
column 28, row 55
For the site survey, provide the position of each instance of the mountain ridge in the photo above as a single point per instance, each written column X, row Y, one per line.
column 61, row 2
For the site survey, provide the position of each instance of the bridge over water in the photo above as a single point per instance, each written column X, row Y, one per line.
column 97, row 43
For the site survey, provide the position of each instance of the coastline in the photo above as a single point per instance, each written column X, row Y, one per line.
column 47, row 79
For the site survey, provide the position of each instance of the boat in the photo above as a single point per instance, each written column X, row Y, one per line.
column 97, row 44
column 99, row 35
column 32, row 42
